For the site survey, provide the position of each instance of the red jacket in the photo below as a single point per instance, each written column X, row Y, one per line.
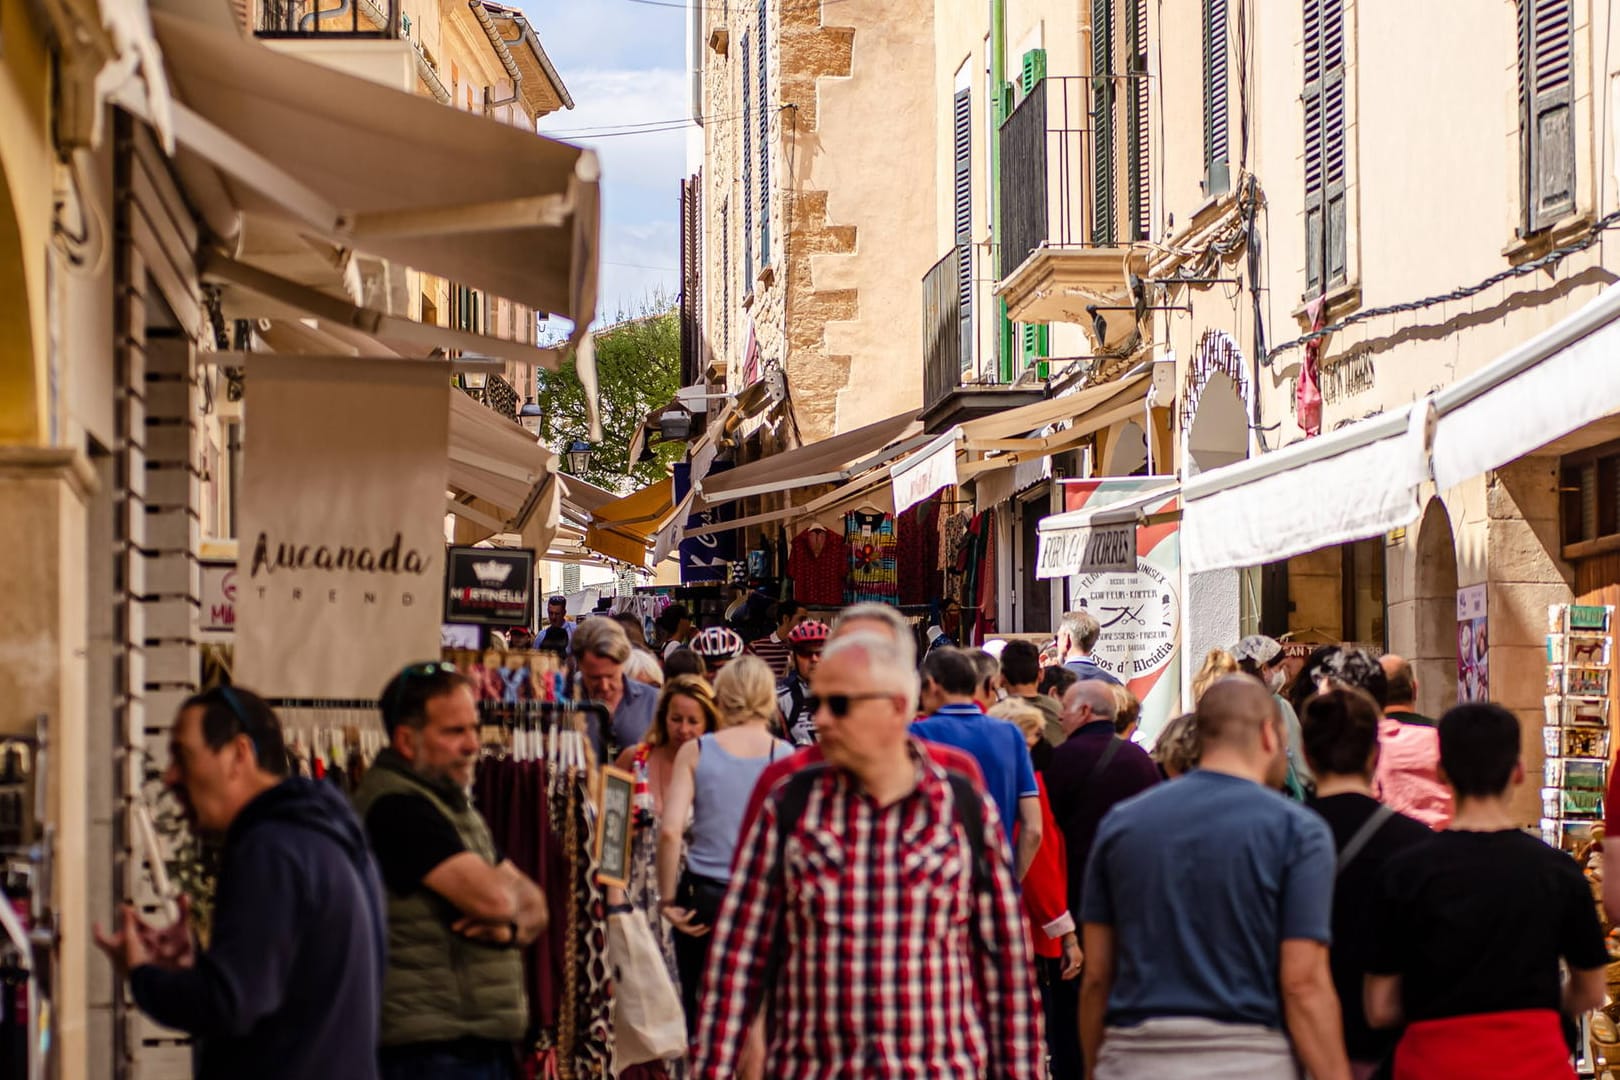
column 1046, row 886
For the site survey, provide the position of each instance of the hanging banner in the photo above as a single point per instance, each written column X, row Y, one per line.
column 1086, row 549
column 1473, row 646
column 1139, row 609
column 490, row 586
column 218, row 598
column 925, row 472
column 342, row 524
column 705, row 558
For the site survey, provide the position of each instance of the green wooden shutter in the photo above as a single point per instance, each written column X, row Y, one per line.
column 1217, row 170
column 1104, row 180
column 1138, row 226
column 1547, row 111
column 763, row 53
column 962, row 215
column 1033, row 340
column 1326, row 217
column 1034, row 70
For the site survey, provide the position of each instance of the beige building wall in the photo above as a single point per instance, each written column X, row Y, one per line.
column 837, row 298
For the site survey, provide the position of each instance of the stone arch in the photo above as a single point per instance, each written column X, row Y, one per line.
column 1215, row 405
column 1434, row 592
column 1127, row 450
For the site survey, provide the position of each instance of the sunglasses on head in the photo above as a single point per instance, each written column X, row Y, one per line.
column 841, row 704
column 243, row 725
column 414, row 671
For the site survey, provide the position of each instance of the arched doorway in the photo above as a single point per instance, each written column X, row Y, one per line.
column 1215, row 405
column 1435, row 593
column 1127, row 451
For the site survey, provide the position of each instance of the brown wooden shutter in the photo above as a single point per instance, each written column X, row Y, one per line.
column 1217, row 170
column 962, row 213
column 1546, row 101
column 747, row 168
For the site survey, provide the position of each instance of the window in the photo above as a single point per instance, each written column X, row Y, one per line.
column 1546, row 111
column 1217, row 170
column 763, row 52
column 1325, row 206
column 747, row 168
column 1589, row 490
column 962, row 214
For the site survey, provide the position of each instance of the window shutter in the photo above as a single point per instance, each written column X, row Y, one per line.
column 1033, row 339
column 962, row 214
column 747, row 169
column 725, row 282
column 1104, row 189
column 1217, row 172
column 1034, row 70
column 1139, row 226
column 763, row 53
column 1325, row 145
column 1546, row 101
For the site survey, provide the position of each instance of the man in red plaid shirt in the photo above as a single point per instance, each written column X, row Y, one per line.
column 880, row 941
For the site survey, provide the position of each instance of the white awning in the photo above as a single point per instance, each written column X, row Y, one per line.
column 501, row 478
column 1088, row 411
column 1099, row 537
column 1357, row 482
column 830, row 461
column 1554, row 384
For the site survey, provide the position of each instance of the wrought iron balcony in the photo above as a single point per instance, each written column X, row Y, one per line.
column 494, row 393
column 302, row 19
column 1074, row 191
column 956, row 386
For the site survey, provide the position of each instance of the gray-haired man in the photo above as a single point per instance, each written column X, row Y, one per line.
column 1076, row 636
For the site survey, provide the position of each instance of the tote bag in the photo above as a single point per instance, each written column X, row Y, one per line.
column 648, row 1024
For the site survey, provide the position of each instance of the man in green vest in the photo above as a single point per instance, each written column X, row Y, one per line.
column 453, row 1001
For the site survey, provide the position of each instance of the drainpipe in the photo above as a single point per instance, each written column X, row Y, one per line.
column 498, row 43
column 313, row 18
column 998, row 79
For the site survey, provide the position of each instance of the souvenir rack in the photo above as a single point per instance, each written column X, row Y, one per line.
column 1576, row 732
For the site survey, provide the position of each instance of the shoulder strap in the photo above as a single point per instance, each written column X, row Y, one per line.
column 970, row 815
column 1107, row 759
column 1363, row 837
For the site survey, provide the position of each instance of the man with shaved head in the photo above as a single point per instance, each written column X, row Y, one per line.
column 873, row 913
column 1089, row 773
column 1207, row 914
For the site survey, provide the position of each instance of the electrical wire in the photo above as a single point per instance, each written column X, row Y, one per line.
column 1551, row 258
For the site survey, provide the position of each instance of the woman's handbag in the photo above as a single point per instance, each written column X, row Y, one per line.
column 648, row 1024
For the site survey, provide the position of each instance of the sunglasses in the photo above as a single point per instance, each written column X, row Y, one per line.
column 841, row 704
column 408, row 673
column 243, row 725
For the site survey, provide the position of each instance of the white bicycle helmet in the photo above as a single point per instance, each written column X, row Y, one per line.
column 718, row 643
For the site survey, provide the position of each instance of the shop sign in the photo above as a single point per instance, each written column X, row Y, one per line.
column 218, row 597
column 1086, row 550
column 1140, row 616
column 1473, row 646
column 933, row 468
column 489, row 586
column 342, row 528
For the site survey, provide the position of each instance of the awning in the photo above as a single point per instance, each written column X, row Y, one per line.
column 1354, row 483
column 625, row 528
column 501, row 478
column 367, row 167
column 1088, row 411
column 1551, row 386
column 1102, row 535
column 829, row 461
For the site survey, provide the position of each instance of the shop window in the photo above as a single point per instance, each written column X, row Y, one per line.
column 1334, row 595
column 1589, row 498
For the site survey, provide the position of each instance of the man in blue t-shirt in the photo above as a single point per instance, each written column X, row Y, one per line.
column 1207, row 908
column 949, row 679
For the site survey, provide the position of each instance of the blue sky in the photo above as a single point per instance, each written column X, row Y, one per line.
column 624, row 62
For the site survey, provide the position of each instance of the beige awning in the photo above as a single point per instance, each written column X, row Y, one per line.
column 501, row 477
column 830, row 461
column 1087, row 412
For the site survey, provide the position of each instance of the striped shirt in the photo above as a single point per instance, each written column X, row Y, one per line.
column 896, row 965
column 775, row 652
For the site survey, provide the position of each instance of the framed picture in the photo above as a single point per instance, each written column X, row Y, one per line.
column 613, row 827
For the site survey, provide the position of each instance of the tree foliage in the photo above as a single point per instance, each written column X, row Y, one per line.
column 638, row 363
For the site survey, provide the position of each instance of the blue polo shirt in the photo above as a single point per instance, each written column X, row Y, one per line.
column 996, row 744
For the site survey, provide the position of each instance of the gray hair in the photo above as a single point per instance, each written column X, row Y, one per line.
column 889, row 663
column 1096, row 693
column 642, row 667
column 883, row 613
column 601, row 637
column 1082, row 628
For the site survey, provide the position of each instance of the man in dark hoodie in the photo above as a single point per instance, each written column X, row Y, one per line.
column 291, row 981
column 458, row 913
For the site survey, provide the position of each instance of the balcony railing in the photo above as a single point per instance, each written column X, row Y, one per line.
column 329, row 20
column 947, row 325
column 1073, row 168
column 497, row 394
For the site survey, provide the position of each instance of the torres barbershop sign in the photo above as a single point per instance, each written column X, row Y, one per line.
column 342, row 538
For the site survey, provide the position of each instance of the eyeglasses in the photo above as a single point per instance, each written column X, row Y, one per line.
column 840, row 704
column 406, row 674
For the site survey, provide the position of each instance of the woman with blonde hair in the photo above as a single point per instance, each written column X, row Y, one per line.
column 1177, row 750
column 1217, row 665
column 713, row 777
column 685, row 711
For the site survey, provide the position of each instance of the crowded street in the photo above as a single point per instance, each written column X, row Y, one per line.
column 809, row 540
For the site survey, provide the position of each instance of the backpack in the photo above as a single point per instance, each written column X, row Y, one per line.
column 794, row 795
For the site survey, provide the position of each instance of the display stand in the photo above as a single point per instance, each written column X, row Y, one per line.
column 1576, row 735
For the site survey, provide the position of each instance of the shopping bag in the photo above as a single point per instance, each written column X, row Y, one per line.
column 648, row 1023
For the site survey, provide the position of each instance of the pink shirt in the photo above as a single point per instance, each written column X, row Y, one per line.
column 1408, row 776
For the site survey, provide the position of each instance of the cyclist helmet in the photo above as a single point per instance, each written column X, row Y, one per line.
column 718, row 643
column 809, row 632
